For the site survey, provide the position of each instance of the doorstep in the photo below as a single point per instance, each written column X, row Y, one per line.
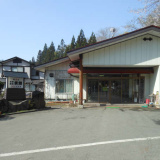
column 113, row 105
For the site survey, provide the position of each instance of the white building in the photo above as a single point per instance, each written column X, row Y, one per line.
column 18, row 73
column 123, row 69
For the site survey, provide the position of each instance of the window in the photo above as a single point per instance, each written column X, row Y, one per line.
column 17, row 69
column 37, row 73
column 17, row 60
column 64, row 86
column 6, row 68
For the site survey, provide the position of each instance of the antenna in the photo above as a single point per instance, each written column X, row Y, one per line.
column 112, row 30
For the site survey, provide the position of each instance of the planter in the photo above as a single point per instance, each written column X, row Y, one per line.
column 71, row 102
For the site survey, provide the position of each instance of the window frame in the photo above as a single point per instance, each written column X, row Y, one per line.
column 64, row 81
column 17, row 69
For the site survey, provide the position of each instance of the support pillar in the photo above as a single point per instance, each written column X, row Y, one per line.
column 81, row 81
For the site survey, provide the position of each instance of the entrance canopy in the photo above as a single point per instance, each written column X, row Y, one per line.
column 112, row 70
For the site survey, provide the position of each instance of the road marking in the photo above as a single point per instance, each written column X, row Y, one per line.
column 76, row 146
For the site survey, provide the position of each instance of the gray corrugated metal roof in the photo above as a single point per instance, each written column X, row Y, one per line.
column 15, row 74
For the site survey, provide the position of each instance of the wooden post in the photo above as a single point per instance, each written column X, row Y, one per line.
column 80, row 82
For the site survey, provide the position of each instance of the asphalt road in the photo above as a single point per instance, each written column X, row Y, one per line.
column 58, row 129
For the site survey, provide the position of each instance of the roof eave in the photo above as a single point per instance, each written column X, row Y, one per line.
column 7, row 60
column 113, row 40
column 55, row 62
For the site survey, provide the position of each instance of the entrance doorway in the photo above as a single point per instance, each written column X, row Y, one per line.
column 127, row 89
column 104, row 91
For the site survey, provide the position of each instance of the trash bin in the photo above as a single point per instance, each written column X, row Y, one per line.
column 147, row 101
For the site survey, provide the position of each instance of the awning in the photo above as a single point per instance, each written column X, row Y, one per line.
column 36, row 82
column 15, row 74
column 28, row 81
column 112, row 70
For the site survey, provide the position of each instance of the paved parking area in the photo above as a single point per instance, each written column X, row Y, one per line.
column 81, row 134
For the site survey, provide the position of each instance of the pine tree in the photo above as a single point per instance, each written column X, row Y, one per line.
column 39, row 57
column 92, row 39
column 44, row 53
column 56, row 55
column 33, row 61
column 61, row 49
column 68, row 48
column 47, row 56
column 52, row 51
column 81, row 40
column 73, row 43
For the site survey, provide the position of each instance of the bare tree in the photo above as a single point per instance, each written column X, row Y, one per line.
column 105, row 33
column 146, row 16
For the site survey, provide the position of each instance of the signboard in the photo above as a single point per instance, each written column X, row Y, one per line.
column 15, row 82
column 105, row 89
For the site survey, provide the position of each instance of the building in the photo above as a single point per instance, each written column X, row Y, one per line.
column 123, row 69
column 19, row 73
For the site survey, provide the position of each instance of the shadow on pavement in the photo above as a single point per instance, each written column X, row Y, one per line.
column 145, row 109
column 27, row 111
column 6, row 117
column 156, row 122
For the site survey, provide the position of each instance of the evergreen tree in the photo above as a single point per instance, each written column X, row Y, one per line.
column 56, row 55
column 92, row 39
column 68, row 48
column 73, row 43
column 81, row 40
column 61, row 49
column 33, row 61
column 52, row 51
column 44, row 54
column 47, row 56
column 39, row 57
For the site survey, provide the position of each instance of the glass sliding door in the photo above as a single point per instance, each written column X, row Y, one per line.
column 127, row 85
column 104, row 90
column 124, row 89
column 92, row 90
column 115, row 91
column 141, row 90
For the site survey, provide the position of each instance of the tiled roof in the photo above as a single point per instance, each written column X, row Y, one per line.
column 15, row 74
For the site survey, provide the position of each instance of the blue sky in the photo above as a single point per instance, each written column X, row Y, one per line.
column 25, row 25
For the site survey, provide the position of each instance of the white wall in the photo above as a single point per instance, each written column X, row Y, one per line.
column 76, row 87
column 49, row 86
column 41, row 75
column 10, row 63
column 27, row 70
column 60, row 72
column 152, row 82
column 155, row 80
column 61, row 66
column 0, row 71
column 147, row 91
column 135, row 52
